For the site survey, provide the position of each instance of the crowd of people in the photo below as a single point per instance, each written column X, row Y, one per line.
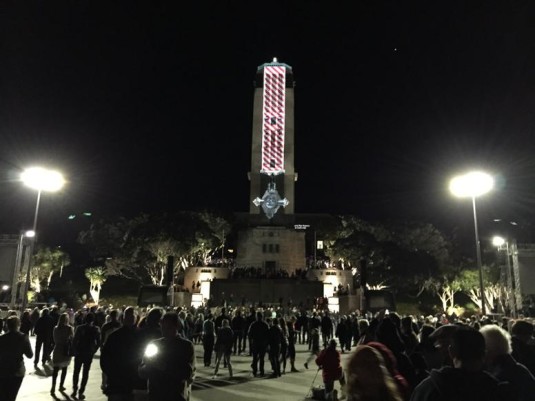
column 149, row 352
column 257, row 272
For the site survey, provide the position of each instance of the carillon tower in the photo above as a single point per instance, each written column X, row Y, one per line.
column 272, row 176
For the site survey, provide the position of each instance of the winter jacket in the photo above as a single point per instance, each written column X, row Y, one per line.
column 452, row 384
column 329, row 361
column 522, row 382
column 224, row 340
column 62, row 335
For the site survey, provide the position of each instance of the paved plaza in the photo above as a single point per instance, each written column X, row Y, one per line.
column 243, row 386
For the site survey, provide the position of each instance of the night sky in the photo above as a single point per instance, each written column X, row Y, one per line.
column 148, row 107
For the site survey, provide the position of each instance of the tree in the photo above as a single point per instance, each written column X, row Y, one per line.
column 469, row 281
column 403, row 254
column 445, row 288
column 96, row 276
column 45, row 263
column 218, row 226
column 138, row 248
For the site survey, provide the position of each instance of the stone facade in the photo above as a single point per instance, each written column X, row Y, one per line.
column 204, row 273
column 333, row 277
column 271, row 249
column 267, row 291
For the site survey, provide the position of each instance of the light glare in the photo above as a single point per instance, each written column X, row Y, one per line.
column 42, row 179
column 471, row 184
column 151, row 350
column 498, row 241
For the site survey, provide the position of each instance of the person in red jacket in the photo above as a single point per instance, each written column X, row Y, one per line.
column 329, row 361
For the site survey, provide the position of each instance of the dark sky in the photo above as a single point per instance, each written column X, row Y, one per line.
column 148, row 107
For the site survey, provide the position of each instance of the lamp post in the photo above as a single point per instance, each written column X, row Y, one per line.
column 40, row 179
column 472, row 185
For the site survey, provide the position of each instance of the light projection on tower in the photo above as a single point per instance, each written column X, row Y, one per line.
column 273, row 136
column 273, row 120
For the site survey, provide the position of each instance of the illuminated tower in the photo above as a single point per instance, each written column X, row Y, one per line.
column 272, row 174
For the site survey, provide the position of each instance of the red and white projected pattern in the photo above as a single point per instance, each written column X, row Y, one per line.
column 273, row 125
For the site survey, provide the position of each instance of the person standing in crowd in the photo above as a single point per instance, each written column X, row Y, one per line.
column 388, row 334
column 297, row 327
column 408, row 335
column 258, row 336
column 199, row 322
column 284, row 344
column 238, row 326
column 367, row 377
column 275, row 339
column 119, row 359
column 220, row 318
column 314, row 323
column 500, row 363
column 54, row 314
column 314, row 338
column 100, row 317
column 343, row 333
column 365, row 334
column 34, row 317
column 466, row 380
column 182, row 323
column 79, row 317
column 108, row 328
column 426, row 348
column 208, row 339
column 223, row 346
column 301, row 326
column 329, row 361
column 44, row 327
column 26, row 324
column 85, row 343
column 189, row 326
column 13, row 346
column 391, row 365
column 354, row 323
column 169, row 363
column 292, row 339
column 523, row 344
column 441, row 339
column 326, row 328
column 61, row 356
column 248, row 322
column 150, row 331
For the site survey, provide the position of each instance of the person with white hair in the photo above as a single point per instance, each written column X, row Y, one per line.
column 500, row 363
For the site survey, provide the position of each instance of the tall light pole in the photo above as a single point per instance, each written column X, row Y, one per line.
column 499, row 242
column 40, row 179
column 472, row 185
column 21, row 266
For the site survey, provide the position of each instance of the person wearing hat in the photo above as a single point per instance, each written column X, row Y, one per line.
column 442, row 338
column 329, row 361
